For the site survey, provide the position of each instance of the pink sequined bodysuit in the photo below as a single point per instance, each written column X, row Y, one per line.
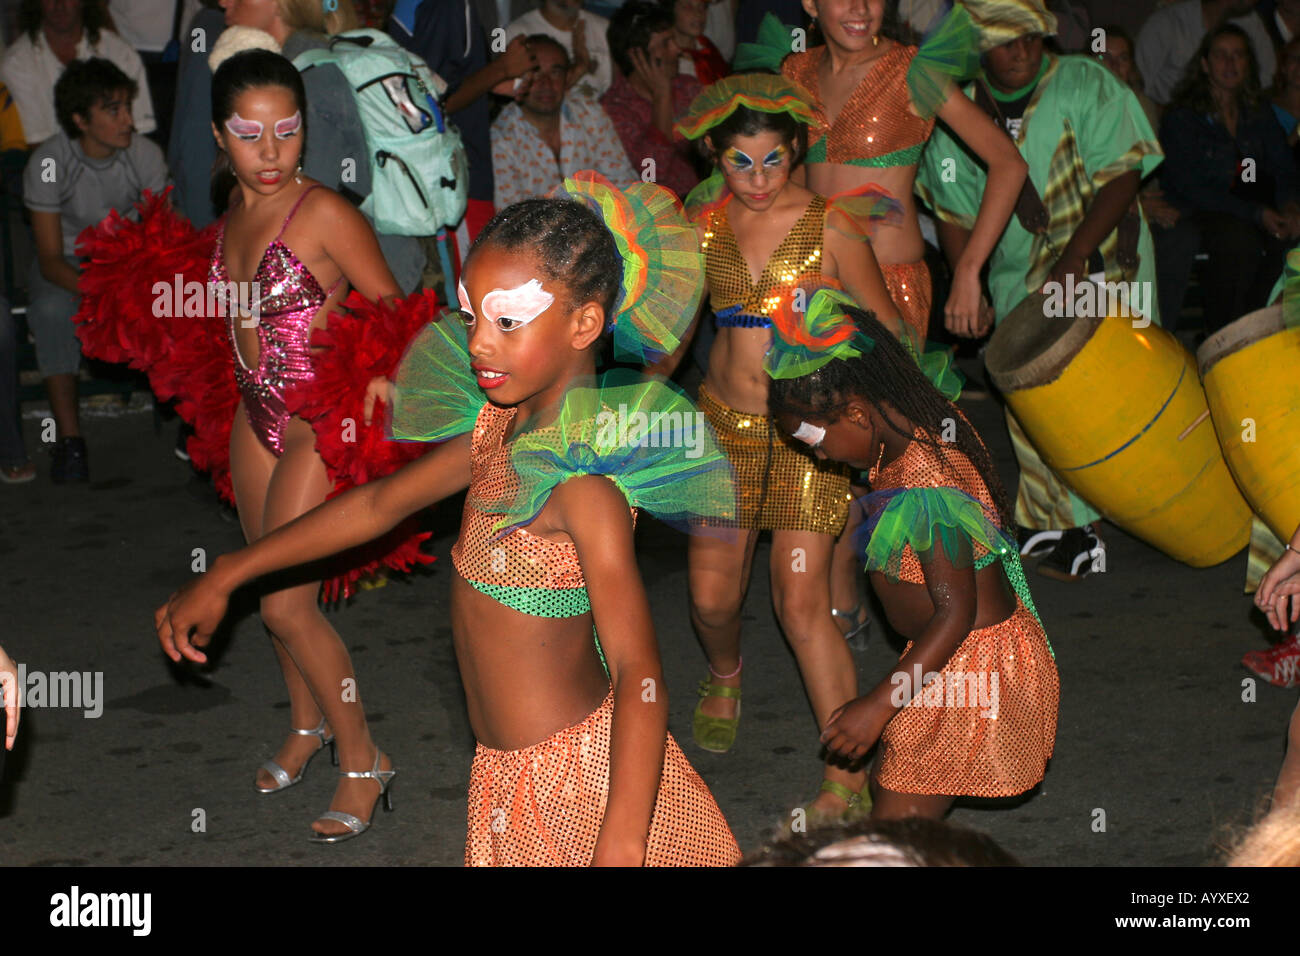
column 289, row 299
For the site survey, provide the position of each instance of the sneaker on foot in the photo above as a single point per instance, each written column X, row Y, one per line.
column 1079, row 552
column 1279, row 665
column 68, row 461
column 1034, row 542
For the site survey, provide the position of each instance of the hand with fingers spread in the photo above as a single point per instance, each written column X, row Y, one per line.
column 9, row 684
column 655, row 73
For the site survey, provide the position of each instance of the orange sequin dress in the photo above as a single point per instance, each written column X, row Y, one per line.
column 543, row 805
column 875, row 128
column 987, row 726
column 779, row 486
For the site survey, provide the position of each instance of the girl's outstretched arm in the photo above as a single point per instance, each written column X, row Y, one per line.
column 854, row 728
column 595, row 514
column 1006, row 175
column 353, row 518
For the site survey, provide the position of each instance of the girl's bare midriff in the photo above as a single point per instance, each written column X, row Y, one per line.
column 525, row 677
column 736, row 377
column 909, row 608
column 891, row 244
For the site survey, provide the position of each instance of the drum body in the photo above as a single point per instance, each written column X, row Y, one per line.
column 1118, row 412
column 1251, row 373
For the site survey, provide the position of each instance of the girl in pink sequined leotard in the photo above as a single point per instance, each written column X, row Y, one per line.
column 321, row 242
column 284, row 324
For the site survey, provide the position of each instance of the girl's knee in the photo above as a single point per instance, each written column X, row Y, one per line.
column 285, row 615
column 715, row 606
column 802, row 611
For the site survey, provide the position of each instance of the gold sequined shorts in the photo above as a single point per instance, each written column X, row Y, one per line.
column 909, row 286
column 987, row 725
column 543, row 805
column 801, row 493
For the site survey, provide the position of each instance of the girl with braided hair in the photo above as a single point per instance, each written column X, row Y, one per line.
column 971, row 707
column 556, row 464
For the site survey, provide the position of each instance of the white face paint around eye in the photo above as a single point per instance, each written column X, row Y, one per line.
column 463, row 297
column 244, row 128
column 811, row 435
column 518, row 306
column 287, row 127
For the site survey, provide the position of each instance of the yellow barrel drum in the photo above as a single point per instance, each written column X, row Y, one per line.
column 1118, row 412
column 1251, row 373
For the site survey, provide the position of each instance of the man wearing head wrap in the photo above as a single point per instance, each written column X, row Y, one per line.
column 1088, row 145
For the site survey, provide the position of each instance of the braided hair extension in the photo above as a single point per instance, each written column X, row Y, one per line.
column 570, row 243
column 888, row 374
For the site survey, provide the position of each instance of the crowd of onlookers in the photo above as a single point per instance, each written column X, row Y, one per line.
column 540, row 90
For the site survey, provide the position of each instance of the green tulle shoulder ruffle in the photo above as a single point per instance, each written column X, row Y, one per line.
column 936, row 362
column 924, row 518
column 949, row 56
column 644, row 434
column 437, row 396
column 775, row 43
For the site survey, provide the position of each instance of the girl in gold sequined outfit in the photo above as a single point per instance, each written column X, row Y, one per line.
column 764, row 225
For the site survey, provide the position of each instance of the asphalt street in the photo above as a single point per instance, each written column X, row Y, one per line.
column 1158, row 757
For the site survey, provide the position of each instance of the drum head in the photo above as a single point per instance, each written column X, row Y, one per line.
column 1247, row 330
column 1029, row 349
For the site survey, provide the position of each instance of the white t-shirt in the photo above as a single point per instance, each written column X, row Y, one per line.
column 597, row 45
column 30, row 70
column 1171, row 37
column 147, row 24
column 720, row 27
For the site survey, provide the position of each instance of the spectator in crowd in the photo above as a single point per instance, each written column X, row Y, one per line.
column 493, row 13
column 549, row 134
column 1168, row 42
column 648, row 94
column 582, row 34
column 1073, row 25
column 449, row 36
column 95, row 165
column 1281, row 20
column 1228, row 171
column 191, row 150
column 720, row 26
column 56, row 32
column 152, row 28
column 699, row 57
column 1286, row 92
column 334, row 130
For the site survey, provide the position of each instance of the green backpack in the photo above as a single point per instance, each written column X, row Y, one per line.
column 419, row 174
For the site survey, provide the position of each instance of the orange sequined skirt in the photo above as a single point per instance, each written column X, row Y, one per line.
column 909, row 287
column 987, row 726
column 778, row 486
column 543, row 805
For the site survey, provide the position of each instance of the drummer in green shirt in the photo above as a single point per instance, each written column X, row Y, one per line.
column 1088, row 146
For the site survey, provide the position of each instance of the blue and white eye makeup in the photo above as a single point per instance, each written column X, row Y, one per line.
column 286, row 128
column 512, row 309
column 810, row 435
column 740, row 162
column 244, row 129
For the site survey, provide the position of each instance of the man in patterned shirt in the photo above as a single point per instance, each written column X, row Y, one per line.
column 548, row 135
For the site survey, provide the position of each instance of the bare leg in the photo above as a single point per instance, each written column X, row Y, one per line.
column 1287, row 790
column 62, row 390
column 800, row 569
column 892, row 805
column 719, row 577
column 251, row 467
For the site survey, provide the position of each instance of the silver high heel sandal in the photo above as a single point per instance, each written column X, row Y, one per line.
column 355, row 825
column 282, row 779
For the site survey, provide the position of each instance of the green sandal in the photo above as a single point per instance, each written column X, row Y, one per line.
column 716, row 734
column 859, row 804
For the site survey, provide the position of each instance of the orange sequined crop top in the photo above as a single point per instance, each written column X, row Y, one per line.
column 521, row 570
column 736, row 299
column 877, row 126
column 921, row 467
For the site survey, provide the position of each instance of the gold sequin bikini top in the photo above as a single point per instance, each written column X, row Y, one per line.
column 736, row 299
column 876, row 127
column 521, row 570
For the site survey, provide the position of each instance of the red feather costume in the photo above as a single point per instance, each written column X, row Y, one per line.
column 137, row 270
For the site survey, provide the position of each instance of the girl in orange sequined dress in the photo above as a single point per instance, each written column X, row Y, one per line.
column 753, row 220
column 971, row 707
column 574, row 765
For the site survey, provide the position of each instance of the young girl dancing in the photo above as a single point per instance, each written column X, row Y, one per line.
column 753, row 220
column 574, row 764
column 284, row 255
column 971, row 707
